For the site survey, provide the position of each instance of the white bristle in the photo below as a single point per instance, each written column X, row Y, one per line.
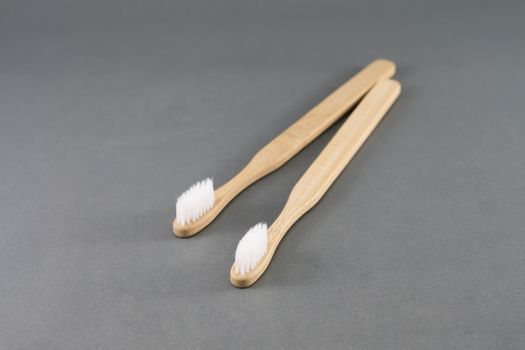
column 195, row 202
column 251, row 249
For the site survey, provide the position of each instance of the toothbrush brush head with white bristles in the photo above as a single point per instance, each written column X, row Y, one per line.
column 195, row 208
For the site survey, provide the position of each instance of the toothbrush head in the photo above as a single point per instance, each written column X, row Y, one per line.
column 195, row 202
column 251, row 249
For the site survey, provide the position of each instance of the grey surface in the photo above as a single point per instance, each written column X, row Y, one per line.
column 110, row 109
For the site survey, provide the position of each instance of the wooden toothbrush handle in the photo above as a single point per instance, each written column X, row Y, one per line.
column 339, row 151
column 310, row 126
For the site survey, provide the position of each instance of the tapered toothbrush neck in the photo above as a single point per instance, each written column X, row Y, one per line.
column 246, row 177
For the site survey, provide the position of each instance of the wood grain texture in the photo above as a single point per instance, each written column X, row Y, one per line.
column 292, row 140
column 325, row 169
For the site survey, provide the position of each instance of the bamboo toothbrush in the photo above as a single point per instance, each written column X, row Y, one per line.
column 200, row 204
column 255, row 250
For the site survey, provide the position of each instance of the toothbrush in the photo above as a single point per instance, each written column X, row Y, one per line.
column 256, row 249
column 200, row 204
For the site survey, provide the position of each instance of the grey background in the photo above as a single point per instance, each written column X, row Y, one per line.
column 110, row 109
